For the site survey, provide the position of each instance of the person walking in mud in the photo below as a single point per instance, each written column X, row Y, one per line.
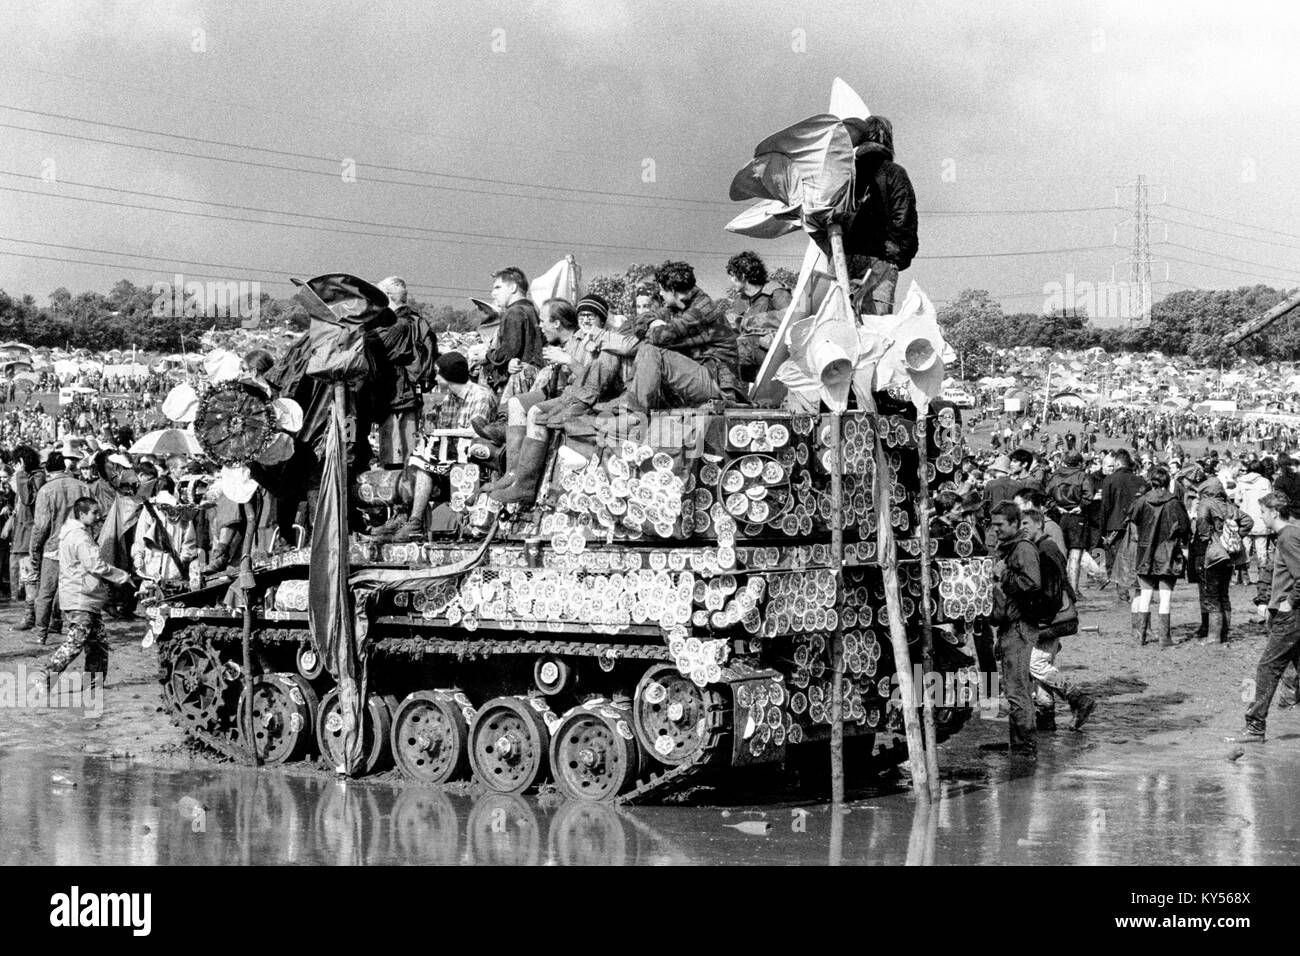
column 1283, row 647
column 84, row 577
column 1015, row 613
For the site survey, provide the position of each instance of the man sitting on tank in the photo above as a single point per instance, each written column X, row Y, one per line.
column 453, row 404
column 687, row 353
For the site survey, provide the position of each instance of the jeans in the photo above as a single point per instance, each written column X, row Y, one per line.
column 47, row 595
column 1048, row 682
column 1017, row 641
column 1257, row 550
column 1215, row 602
column 666, row 379
column 1282, row 649
column 21, row 574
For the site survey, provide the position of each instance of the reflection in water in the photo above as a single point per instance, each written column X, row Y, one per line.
column 83, row 810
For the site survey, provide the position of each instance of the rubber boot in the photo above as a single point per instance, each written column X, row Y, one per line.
column 1215, row 630
column 532, row 459
column 1081, row 705
column 1045, row 718
column 1140, row 620
column 1227, row 625
column 492, row 431
column 1203, row 631
column 219, row 560
column 514, row 440
column 29, row 619
column 1162, row 630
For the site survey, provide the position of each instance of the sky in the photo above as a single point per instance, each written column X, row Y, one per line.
column 443, row 140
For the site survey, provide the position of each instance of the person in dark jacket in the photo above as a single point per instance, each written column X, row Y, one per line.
column 1119, row 490
column 519, row 338
column 1163, row 532
column 399, row 401
column 881, row 241
column 763, row 303
column 1213, row 564
column 26, row 482
column 1019, row 581
column 1281, row 595
column 687, row 354
column 1070, row 488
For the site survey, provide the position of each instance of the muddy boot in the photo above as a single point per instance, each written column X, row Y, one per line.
column 411, row 530
column 1140, row 621
column 220, row 559
column 1215, row 626
column 532, row 460
column 1045, row 719
column 492, row 431
column 1203, row 631
column 514, row 440
column 1227, row 625
column 1162, row 630
column 1081, row 705
column 29, row 619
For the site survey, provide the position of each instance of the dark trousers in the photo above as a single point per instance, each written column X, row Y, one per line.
column 1216, row 605
column 1018, row 640
column 1282, row 650
column 47, row 595
column 665, row 379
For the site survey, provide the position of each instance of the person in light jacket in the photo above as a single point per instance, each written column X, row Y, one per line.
column 84, row 577
column 150, row 554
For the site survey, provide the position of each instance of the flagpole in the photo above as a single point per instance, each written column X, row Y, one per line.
column 887, row 556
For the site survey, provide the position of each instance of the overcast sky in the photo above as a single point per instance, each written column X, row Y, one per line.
column 996, row 107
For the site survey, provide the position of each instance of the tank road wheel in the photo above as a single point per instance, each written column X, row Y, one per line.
column 376, row 725
column 671, row 717
column 429, row 737
column 284, row 708
column 507, row 745
column 195, row 685
column 594, row 754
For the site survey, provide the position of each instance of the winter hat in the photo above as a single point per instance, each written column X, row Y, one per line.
column 453, row 367
column 596, row 305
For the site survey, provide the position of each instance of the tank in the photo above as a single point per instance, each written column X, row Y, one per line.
column 665, row 612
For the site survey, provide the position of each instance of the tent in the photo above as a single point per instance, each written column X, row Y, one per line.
column 1069, row 399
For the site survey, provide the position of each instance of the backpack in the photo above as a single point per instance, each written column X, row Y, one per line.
column 1230, row 535
column 1051, row 592
column 425, row 339
column 1069, row 494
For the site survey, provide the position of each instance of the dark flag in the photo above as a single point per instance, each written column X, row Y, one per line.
column 341, row 307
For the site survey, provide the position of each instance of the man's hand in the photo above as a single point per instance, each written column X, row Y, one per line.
column 555, row 355
column 514, row 366
column 999, row 567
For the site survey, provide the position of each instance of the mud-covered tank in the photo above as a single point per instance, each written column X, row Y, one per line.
column 666, row 609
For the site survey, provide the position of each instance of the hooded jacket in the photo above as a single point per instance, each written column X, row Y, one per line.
column 53, row 505
column 1251, row 488
column 884, row 226
column 1163, row 529
column 1213, row 510
column 84, row 575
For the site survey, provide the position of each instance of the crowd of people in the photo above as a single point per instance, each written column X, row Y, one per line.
column 1139, row 526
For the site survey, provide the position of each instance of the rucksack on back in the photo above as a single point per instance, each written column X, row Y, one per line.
column 1230, row 536
column 422, row 368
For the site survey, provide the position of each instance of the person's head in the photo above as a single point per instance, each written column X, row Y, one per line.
column 27, row 458
column 86, row 510
column 176, row 464
column 1073, row 459
column 164, row 484
column 508, row 285
column 258, row 362
column 55, row 462
column 1275, row 507
column 593, row 312
column 972, row 504
column 646, row 298
column 1122, row 458
column 747, row 272
column 1032, row 522
column 675, row 280
column 1005, row 520
column 147, row 470
column 395, row 288
column 1159, row 477
column 1029, row 498
column 86, row 468
column 947, row 505
column 1021, row 461
column 559, row 321
column 452, row 371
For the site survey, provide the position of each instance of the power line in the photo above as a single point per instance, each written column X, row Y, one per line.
column 1220, row 255
column 1233, row 222
column 1232, row 235
column 648, row 202
column 506, row 241
column 1206, row 265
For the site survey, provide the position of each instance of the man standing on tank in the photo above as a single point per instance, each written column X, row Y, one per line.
column 881, row 240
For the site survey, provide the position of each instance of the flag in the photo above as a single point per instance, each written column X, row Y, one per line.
column 330, row 612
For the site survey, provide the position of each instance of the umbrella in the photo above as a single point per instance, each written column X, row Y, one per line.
column 166, row 442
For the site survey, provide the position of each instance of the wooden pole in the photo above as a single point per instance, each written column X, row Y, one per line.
column 837, row 637
column 927, row 604
column 887, row 556
column 246, row 588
